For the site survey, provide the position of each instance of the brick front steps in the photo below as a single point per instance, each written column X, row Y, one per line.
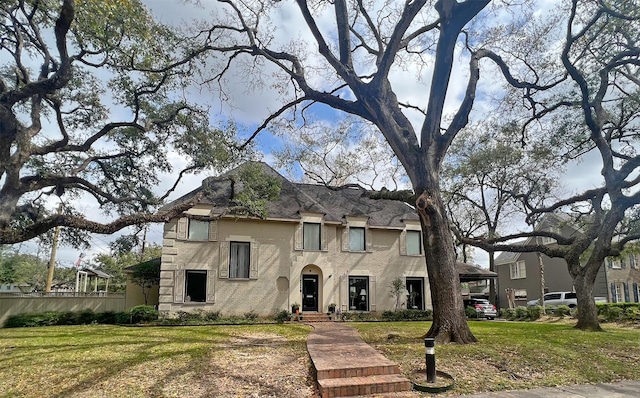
column 346, row 366
column 363, row 385
column 314, row 317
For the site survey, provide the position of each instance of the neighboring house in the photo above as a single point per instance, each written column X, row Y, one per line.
column 623, row 278
column 15, row 288
column 521, row 271
column 317, row 246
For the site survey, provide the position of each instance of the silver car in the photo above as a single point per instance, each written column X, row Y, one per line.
column 484, row 309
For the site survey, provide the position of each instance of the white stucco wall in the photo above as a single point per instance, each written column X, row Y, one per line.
column 280, row 266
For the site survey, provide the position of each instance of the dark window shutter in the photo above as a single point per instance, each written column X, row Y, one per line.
column 626, row 292
column 635, row 293
column 613, row 293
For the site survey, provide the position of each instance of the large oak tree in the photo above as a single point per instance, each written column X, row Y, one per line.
column 357, row 50
column 93, row 95
column 590, row 109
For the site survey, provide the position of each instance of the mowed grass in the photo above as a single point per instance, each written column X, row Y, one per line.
column 514, row 355
column 271, row 360
column 113, row 361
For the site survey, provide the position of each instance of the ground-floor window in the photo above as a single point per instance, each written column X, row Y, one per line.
column 359, row 293
column 195, row 286
column 415, row 293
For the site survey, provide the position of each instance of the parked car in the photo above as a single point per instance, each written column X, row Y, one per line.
column 555, row 299
column 484, row 309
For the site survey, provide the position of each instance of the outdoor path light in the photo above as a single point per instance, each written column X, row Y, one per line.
column 430, row 358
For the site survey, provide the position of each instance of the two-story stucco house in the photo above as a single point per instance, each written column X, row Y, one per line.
column 317, row 246
column 618, row 280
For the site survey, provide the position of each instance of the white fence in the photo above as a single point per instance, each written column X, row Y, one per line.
column 20, row 303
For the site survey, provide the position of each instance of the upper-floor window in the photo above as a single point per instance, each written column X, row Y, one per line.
column 546, row 240
column 632, row 261
column 356, row 239
column 198, row 230
column 414, row 246
column 311, row 236
column 518, row 270
column 613, row 262
column 239, row 260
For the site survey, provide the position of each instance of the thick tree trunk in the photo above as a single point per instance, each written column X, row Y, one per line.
column 449, row 322
column 583, row 281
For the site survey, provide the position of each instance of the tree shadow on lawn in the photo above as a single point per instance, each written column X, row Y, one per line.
column 120, row 361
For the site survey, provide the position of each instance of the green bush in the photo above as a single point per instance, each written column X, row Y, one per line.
column 123, row 318
column 211, row 315
column 562, row 311
column 30, row 320
column 106, row 318
column 358, row 316
column 508, row 313
column 614, row 314
column 471, row 312
column 632, row 314
column 404, row 315
column 186, row 317
column 68, row 318
column 143, row 314
column 86, row 317
column 521, row 313
column 534, row 312
column 251, row 315
column 282, row 316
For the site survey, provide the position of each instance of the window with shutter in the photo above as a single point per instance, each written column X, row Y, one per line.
column 414, row 244
column 198, row 230
column 359, row 293
column 239, row 260
column 195, row 286
column 311, row 236
column 357, row 239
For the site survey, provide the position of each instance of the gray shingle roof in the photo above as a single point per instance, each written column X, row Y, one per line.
column 333, row 202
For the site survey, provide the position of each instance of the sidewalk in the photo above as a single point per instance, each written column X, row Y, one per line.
column 338, row 353
column 623, row 389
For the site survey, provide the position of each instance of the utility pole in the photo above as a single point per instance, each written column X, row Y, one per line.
column 52, row 258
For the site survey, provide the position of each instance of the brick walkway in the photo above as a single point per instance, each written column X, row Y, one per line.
column 347, row 366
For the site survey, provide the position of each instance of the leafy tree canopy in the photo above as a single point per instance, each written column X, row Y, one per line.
column 93, row 96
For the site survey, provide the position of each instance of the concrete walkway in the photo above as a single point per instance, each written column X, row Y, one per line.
column 623, row 389
column 339, row 355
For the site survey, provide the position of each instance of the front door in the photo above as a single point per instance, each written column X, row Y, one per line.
column 310, row 293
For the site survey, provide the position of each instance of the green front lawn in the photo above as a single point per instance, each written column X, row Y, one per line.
column 116, row 361
column 271, row 360
column 514, row 355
